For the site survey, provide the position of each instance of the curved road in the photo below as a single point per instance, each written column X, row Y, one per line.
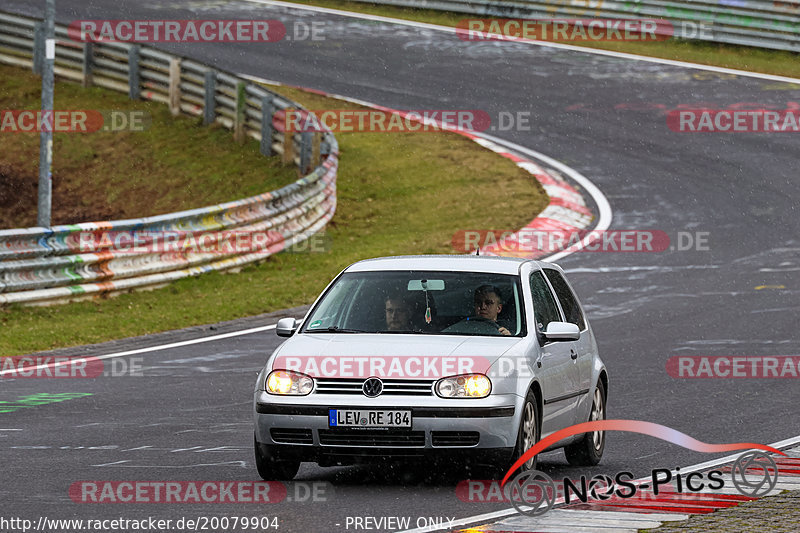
column 188, row 417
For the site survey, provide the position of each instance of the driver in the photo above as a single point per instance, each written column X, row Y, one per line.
column 488, row 304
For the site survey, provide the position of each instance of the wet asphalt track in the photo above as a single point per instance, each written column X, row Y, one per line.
column 188, row 417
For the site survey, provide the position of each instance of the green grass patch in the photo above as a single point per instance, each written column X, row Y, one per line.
column 782, row 63
column 174, row 165
column 397, row 194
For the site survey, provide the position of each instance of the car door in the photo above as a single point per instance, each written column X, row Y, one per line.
column 584, row 346
column 556, row 366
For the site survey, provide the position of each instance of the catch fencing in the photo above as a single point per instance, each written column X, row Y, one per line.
column 47, row 265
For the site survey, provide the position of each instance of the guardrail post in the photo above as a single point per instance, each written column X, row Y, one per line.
column 134, row 84
column 210, row 102
column 267, row 111
column 316, row 158
column 305, row 152
column 38, row 47
column 241, row 103
column 175, row 86
column 88, row 59
column 287, row 157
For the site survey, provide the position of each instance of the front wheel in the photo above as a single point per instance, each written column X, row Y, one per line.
column 271, row 469
column 589, row 450
column 528, row 434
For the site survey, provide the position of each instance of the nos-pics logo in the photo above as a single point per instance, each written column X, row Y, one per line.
column 533, row 493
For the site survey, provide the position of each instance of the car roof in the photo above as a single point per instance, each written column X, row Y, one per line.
column 456, row 263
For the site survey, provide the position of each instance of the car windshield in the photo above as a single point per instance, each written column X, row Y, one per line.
column 426, row 302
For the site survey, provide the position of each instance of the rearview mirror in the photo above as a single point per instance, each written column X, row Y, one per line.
column 426, row 284
column 286, row 327
column 562, row 331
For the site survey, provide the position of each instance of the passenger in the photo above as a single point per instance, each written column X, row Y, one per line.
column 398, row 313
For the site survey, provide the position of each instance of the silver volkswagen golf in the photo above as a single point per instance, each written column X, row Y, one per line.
column 417, row 356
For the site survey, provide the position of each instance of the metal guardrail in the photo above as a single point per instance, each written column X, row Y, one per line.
column 48, row 265
column 761, row 23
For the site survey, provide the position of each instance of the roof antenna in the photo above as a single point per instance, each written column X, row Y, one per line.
column 477, row 251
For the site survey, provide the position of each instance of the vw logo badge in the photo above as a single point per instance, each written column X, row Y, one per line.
column 372, row 387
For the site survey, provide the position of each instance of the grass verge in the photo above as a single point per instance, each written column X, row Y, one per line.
column 782, row 63
column 401, row 193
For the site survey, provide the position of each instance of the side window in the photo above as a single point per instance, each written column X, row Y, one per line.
column 544, row 306
column 568, row 302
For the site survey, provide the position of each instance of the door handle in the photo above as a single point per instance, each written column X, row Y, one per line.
column 573, row 354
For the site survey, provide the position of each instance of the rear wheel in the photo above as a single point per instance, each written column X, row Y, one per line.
column 589, row 450
column 271, row 469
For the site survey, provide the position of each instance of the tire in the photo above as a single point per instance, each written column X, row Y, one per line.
column 589, row 450
column 529, row 431
column 271, row 469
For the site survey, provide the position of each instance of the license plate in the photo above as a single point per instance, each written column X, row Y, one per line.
column 369, row 418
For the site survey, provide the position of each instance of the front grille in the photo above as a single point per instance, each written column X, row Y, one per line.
column 455, row 438
column 291, row 435
column 391, row 387
column 376, row 438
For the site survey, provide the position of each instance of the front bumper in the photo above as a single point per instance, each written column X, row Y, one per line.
column 290, row 428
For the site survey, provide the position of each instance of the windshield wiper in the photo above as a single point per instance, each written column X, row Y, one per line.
column 337, row 329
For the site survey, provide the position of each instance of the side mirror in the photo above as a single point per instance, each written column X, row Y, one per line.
column 286, row 327
column 561, row 331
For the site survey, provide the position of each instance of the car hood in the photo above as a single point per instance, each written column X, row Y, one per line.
column 345, row 355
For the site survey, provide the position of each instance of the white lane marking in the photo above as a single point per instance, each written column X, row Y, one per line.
column 209, row 358
column 684, row 470
column 465, row 521
column 657, row 268
column 615, row 515
column 135, row 449
column 5, row 429
column 146, row 350
column 595, row 51
column 113, row 464
column 185, row 449
column 599, row 519
column 605, row 215
column 119, row 464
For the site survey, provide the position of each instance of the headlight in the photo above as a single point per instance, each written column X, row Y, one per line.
column 464, row 386
column 289, row 383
